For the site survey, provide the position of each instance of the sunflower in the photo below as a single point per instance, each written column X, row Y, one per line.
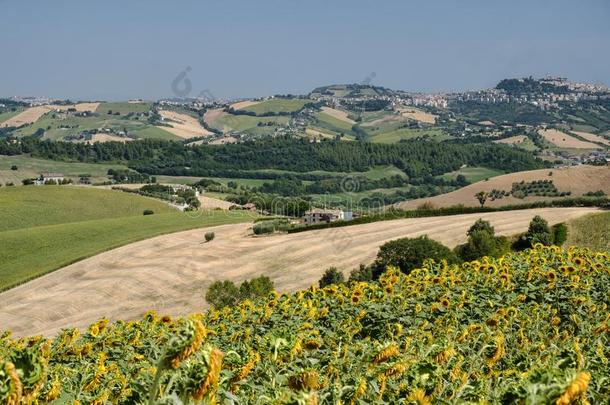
column 386, row 353
column 577, row 387
column 186, row 342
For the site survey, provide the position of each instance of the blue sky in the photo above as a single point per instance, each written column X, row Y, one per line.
column 125, row 49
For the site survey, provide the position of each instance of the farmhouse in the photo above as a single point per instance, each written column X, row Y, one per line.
column 249, row 206
column 324, row 215
column 49, row 177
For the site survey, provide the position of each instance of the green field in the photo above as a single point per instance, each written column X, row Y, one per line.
column 249, row 124
column 123, row 108
column 9, row 114
column 29, row 167
column 329, row 122
column 407, row 133
column 278, row 105
column 45, row 228
column 24, row 207
column 150, row 132
column 473, row 174
column 592, row 231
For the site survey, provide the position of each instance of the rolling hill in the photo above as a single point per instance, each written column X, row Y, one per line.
column 577, row 180
column 47, row 227
column 170, row 273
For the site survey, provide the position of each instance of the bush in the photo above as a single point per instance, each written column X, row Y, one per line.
column 256, row 288
column 14, row 167
column 362, row 273
column 225, row 293
column 26, row 182
column 560, row 234
column 410, row 253
column 148, row 212
column 270, row 226
column 209, row 236
column 331, row 276
column 539, row 232
column 222, row 294
column 482, row 242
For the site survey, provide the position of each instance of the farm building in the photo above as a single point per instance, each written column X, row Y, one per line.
column 317, row 216
column 49, row 177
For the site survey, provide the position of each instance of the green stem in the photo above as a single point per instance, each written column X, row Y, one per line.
column 155, row 387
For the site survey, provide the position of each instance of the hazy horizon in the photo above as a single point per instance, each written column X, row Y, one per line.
column 235, row 49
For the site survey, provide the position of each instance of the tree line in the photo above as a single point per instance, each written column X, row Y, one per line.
column 417, row 159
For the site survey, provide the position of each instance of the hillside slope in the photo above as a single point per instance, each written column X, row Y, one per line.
column 578, row 180
column 171, row 273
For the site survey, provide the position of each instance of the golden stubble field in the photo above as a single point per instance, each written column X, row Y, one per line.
column 183, row 125
column 578, row 180
column 170, row 273
column 563, row 140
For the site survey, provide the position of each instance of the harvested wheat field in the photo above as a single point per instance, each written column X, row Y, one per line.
column 183, row 125
column 209, row 203
column 418, row 115
column 170, row 273
column 338, row 114
column 33, row 114
column 314, row 133
column 592, row 137
column 212, row 115
column 563, row 140
column 244, row 104
column 513, row 140
column 101, row 137
column 28, row 116
column 578, row 180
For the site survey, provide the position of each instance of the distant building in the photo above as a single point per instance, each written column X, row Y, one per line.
column 317, row 216
column 47, row 177
column 249, row 206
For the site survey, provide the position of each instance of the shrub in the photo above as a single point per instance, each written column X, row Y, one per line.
column 256, row 288
column 331, row 276
column 148, row 212
column 209, row 236
column 482, row 242
column 560, row 234
column 428, row 205
column 410, row 253
column 222, row 294
column 14, row 167
column 26, row 182
column 225, row 293
column 539, row 232
column 362, row 273
column 270, row 226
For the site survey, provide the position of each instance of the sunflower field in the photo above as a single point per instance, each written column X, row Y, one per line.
column 529, row 328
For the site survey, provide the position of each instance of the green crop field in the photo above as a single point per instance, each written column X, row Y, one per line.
column 150, row 132
column 330, row 122
column 407, row 133
column 249, row 124
column 592, row 231
column 48, row 227
column 9, row 114
column 24, row 207
column 28, row 167
column 473, row 174
column 278, row 105
column 123, row 108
